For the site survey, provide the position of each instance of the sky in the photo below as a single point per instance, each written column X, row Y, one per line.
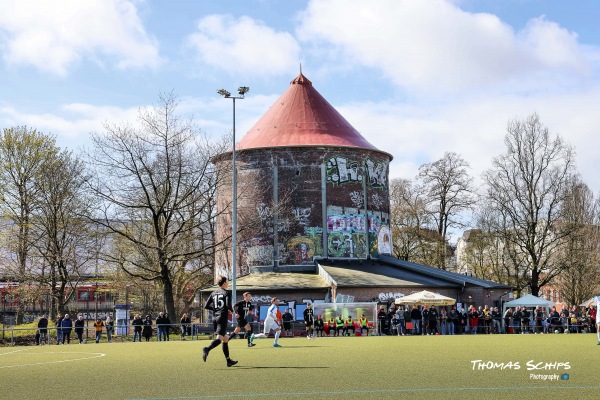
column 416, row 78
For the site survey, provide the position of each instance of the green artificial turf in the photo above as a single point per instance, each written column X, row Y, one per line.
column 429, row 367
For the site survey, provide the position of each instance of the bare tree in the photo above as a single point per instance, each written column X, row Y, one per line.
column 449, row 192
column 414, row 240
column 526, row 186
column 155, row 185
column 23, row 154
column 580, row 253
column 63, row 240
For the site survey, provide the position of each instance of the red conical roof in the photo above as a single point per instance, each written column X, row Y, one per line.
column 302, row 117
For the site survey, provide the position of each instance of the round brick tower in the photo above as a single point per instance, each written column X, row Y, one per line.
column 306, row 181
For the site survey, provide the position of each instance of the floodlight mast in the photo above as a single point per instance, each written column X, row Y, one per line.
column 242, row 90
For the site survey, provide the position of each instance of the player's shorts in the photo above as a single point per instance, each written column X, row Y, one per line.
column 270, row 324
column 308, row 323
column 220, row 326
column 241, row 322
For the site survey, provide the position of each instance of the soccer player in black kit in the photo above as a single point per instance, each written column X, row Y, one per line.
column 220, row 304
column 241, row 309
column 309, row 318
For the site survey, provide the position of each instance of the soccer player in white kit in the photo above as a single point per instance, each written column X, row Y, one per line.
column 271, row 322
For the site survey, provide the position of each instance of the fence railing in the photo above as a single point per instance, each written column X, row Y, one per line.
column 52, row 335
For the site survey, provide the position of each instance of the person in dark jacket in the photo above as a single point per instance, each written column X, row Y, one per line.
column 109, row 325
column 66, row 327
column 79, row 324
column 42, row 330
column 185, row 322
column 147, row 328
column 137, row 327
column 161, row 326
column 415, row 317
column 381, row 320
column 425, row 320
column 58, row 324
column 433, row 317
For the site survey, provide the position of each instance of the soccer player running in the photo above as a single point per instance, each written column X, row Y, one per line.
column 271, row 323
column 219, row 302
column 242, row 308
column 309, row 320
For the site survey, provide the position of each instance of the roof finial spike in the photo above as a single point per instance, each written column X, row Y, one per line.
column 300, row 68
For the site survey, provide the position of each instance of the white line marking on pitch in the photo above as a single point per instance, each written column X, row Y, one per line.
column 97, row 355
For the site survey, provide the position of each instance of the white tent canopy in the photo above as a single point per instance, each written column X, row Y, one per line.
column 529, row 301
column 426, row 297
column 589, row 303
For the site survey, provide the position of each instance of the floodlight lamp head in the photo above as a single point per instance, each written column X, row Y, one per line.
column 242, row 90
column 223, row 93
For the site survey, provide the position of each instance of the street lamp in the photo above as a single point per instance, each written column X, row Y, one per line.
column 242, row 90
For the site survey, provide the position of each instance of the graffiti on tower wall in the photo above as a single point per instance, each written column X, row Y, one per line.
column 340, row 171
column 384, row 240
column 265, row 216
column 347, row 236
column 377, row 173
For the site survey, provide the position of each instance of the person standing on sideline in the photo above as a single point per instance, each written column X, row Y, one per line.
column 58, row 325
column 161, row 328
column 242, row 308
column 147, row 328
column 137, row 327
column 110, row 326
column 79, row 324
column 287, row 319
column 98, row 325
column 43, row 329
column 309, row 321
column 271, row 323
column 381, row 316
column 415, row 317
column 67, row 326
column 184, row 322
column 219, row 302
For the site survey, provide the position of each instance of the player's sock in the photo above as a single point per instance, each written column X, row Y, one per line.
column 247, row 336
column 599, row 335
column 214, row 344
column 226, row 350
column 277, row 333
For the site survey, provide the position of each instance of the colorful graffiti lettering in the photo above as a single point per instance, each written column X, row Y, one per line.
column 346, row 244
column 337, row 244
column 350, row 223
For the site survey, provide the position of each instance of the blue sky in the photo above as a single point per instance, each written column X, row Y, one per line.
column 416, row 78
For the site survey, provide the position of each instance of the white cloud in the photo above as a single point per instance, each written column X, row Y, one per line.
column 53, row 36
column 244, row 44
column 435, row 46
column 71, row 123
column 475, row 128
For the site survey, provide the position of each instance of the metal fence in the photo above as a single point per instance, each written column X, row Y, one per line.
column 15, row 335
